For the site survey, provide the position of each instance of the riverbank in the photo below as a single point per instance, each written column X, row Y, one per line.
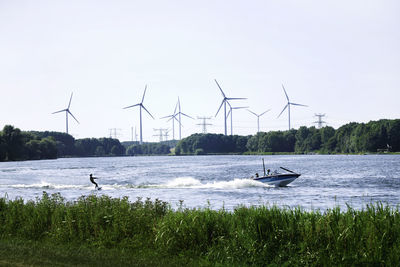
column 110, row 231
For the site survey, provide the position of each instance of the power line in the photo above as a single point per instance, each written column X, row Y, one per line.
column 114, row 132
column 204, row 123
column 166, row 134
column 160, row 134
column 320, row 121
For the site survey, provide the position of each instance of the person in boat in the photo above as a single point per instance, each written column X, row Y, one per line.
column 268, row 171
column 93, row 182
column 256, row 174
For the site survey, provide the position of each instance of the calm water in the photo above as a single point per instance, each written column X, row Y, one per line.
column 215, row 181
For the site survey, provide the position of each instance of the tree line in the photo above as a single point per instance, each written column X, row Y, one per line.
column 18, row 145
column 374, row 136
column 371, row 137
column 34, row 145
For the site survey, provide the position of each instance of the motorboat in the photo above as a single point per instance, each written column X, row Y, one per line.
column 277, row 179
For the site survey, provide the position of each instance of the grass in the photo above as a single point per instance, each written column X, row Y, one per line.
column 104, row 231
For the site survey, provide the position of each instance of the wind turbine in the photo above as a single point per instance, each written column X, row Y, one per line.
column 180, row 121
column 67, row 111
column 231, row 113
column 140, row 108
column 288, row 105
column 224, row 101
column 173, row 118
column 258, row 118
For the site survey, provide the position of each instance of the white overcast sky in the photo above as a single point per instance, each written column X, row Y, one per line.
column 341, row 58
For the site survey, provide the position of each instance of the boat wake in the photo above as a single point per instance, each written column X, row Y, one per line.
column 190, row 182
column 181, row 182
column 45, row 185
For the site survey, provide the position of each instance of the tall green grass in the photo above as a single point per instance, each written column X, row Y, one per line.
column 245, row 236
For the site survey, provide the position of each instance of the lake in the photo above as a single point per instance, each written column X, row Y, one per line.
column 327, row 181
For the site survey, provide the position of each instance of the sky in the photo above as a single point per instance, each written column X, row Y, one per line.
column 340, row 58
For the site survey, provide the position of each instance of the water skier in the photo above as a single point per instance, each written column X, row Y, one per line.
column 93, row 182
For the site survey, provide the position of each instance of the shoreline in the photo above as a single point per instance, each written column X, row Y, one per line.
column 220, row 154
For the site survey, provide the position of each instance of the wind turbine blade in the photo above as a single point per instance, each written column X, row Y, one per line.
column 169, row 116
column 145, row 88
column 179, row 104
column 252, row 112
column 264, row 112
column 285, row 93
column 220, row 107
column 132, row 106
column 220, row 88
column 59, row 111
column 173, row 118
column 298, row 104
column 148, row 112
column 69, row 104
column 239, row 107
column 283, row 110
column 176, row 107
column 235, row 98
column 187, row 115
column 229, row 112
column 178, row 121
column 72, row 116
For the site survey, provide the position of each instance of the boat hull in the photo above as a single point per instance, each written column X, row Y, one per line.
column 278, row 180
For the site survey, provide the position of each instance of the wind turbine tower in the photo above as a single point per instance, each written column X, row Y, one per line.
column 204, row 123
column 320, row 121
column 67, row 111
column 258, row 118
column 140, row 112
column 173, row 118
column 231, row 113
column 224, row 101
column 288, row 105
column 180, row 121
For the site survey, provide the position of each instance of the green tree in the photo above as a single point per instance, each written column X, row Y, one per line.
column 394, row 135
column 290, row 140
column 276, row 142
column 65, row 142
column 48, row 148
column 3, row 148
column 33, row 149
column 327, row 137
column 117, row 150
column 100, row 152
column 14, row 145
column 240, row 143
column 302, row 140
column 343, row 140
column 377, row 137
column 252, row 143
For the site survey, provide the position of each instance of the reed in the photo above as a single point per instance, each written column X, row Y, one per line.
column 246, row 236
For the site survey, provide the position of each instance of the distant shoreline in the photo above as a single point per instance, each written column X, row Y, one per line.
column 216, row 154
